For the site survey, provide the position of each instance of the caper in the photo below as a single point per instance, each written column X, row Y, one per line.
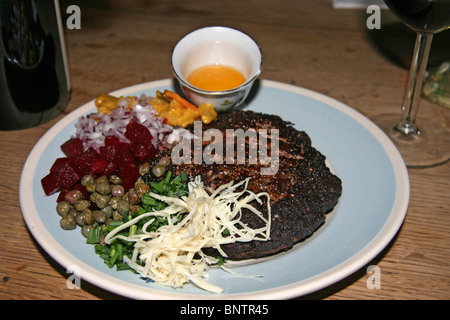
column 63, row 208
column 108, row 211
column 134, row 208
column 100, row 216
column 123, row 206
column 73, row 196
column 141, row 188
column 81, row 205
column 94, row 196
column 101, row 179
column 118, row 191
column 90, row 187
column 115, row 179
column 113, row 202
column 87, row 217
column 116, row 215
column 103, row 188
column 68, row 222
column 144, row 168
column 158, row 170
column 79, row 218
column 164, row 161
column 86, row 229
column 102, row 201
column 87, row 180
column 133, row 197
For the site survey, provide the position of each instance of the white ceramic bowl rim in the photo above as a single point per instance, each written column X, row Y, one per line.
column 250, row 80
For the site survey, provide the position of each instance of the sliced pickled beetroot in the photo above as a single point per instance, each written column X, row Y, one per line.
column 103, row 167
column 136, row 130
column 114, row 149
column 50, row 183
column 99, row 166
column 112, row 153
column 109, row 170
column 58, row 163
column 85, row 160
column 61, row 195
column 63, row 175
column 108, row 153
column 143, row 149
column 112, row 141
column 115, row 141
column 72, row 147
column 126, row 157
column 129, row 172
column 115, row 156
column 68, row 174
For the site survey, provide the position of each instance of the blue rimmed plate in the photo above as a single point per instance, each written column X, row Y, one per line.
column 369, row 213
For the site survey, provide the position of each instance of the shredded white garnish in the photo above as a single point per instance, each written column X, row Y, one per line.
column 172, row 256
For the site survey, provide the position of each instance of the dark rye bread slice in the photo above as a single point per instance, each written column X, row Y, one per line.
column 302, row 191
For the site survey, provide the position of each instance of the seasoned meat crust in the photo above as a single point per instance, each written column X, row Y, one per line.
column 302, row 191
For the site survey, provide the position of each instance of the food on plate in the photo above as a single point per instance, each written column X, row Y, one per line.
column 302, row 191
column 169, row 106
column 172, row 255
column 169, row 221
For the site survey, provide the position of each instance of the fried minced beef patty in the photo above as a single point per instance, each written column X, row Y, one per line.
column 302, row 191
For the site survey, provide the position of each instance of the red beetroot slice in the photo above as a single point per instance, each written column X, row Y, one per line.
column 68, row 175
column 103, row 167
column 58, row 163
column 73, row 147
column 66, row 172
column 126, row 157
column 141, row 145
column 62, row 175
column 85, row 160
column 110, row 169
column 115, row 141
column 136, row 130
column 113, row 153
column 50, row 183
column 143, row 149
column 129, row 173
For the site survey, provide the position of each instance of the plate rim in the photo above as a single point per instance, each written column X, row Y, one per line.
column 296, row 289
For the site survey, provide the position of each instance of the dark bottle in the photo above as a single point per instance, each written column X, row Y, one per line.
column 422, row 15
column 34, row 77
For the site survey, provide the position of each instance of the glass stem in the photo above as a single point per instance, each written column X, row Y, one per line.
column 407, row 124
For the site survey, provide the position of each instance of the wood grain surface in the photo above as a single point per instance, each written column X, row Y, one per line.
column 306, row 43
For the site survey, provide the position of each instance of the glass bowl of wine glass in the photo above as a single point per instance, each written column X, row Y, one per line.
column 422, row 141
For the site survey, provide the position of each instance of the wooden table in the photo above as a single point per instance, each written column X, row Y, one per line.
column 306, row 43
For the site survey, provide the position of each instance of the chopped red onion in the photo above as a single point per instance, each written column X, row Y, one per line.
column 94, row 127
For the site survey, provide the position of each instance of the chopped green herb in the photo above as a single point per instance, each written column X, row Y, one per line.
column 94, row 236
column 113, row 253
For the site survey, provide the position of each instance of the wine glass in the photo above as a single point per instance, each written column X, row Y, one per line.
column 426, row 144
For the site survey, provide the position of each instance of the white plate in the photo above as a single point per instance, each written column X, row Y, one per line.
column 371, row 210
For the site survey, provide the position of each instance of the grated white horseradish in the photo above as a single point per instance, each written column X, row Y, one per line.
column 172, row 255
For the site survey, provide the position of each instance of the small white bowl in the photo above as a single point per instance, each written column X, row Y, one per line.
column 217, row 46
